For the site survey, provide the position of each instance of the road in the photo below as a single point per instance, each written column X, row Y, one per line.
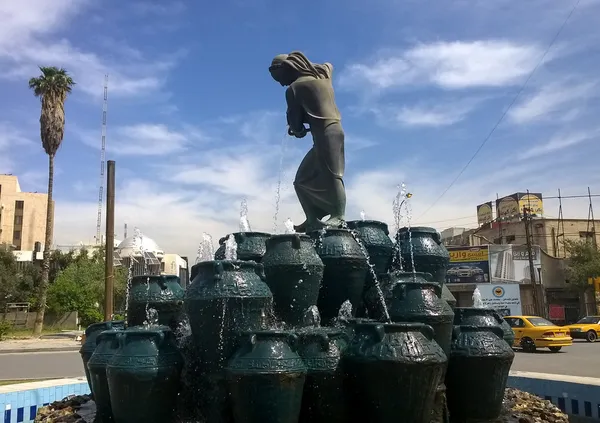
column 581, row 359
column 40, row 365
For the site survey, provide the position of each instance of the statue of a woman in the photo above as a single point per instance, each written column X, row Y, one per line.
column 310, row 99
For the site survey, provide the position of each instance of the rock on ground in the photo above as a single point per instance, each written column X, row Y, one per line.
column 64, row 411
column 519, row 407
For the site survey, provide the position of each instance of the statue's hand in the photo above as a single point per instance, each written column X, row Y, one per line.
column 300, row 134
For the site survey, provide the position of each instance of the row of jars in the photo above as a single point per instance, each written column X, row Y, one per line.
column 309, row 375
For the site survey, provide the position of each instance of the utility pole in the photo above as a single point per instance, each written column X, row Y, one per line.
column 537, row 301
column 109, row 270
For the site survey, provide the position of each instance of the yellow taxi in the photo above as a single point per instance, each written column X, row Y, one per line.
column 533, row 332
column 587, row 328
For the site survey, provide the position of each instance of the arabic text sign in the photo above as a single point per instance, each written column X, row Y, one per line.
column 505, row 298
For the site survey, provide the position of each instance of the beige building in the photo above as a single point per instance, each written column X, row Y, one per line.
column 22, row 215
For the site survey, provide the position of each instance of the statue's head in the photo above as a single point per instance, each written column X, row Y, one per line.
column 281, row 71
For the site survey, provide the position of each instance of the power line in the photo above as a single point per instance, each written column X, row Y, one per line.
column 487, row 138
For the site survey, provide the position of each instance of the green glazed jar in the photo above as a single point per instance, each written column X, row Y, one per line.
column 162, row 293
column 250, row 246
column 392, row 371
column 321, row 350
column 345, row 271
column 485, row 317
column 106, row 347
column 428, row 253
column 375, row 237
column 478, row 370
column 225, row 298
column 266, row 378
column 143, row 375
column 411, row 297
column 294, row 271
column 89, row 345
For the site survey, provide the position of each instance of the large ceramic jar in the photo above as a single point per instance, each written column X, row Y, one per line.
column 89, row 345
column 410, row 297
column 266, row 378
column 345, row 271
column 106, row 346
column 143, row 375
column 485, row 317
column 162, row 293
column 477, row 373
column 424, row 246
column 375, row 237
column 386, row 358
column 323, row 399
column 225, row 297
column 250, row 246
column 294, row 271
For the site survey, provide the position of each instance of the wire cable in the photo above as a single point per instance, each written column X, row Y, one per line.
column 487, row 138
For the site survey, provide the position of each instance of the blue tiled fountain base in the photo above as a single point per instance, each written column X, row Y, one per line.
column 22, row 406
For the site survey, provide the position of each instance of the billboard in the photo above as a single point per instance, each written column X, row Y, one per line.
column 510, row 263
column 510, row 208
column 468, row 265
column 507, row 208
column 532, row 201
column 484, row 213
column 505, row 298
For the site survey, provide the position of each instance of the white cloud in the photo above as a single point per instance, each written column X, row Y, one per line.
column 11, row 140
column 448, row 65
column 559, row 142
column 552, row 100
column 29, row 37
column 434, row 116
column 144, row 139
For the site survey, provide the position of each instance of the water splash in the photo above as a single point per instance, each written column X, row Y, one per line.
column 345, row 312
column 151, row 316
column 244, row 222
column 477, row 300
column 362, row 215
column 401, row 202
column 312, row 317
column 206, row 248
column 289, row 226
column 230, row 248
column 279, row 179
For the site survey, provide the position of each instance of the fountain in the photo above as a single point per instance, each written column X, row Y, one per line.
column 313, row 325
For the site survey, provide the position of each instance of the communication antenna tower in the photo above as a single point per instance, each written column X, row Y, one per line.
column 102, row 162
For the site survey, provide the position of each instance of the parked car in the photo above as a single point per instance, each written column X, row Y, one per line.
column 533, row 332
column 587, row 328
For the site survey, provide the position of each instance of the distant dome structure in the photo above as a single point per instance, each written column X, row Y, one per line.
column 137, row 245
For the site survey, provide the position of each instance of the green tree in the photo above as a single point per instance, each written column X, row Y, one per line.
column 80, row 287
column 583, row 264
column 52, row 87
column 17, row 282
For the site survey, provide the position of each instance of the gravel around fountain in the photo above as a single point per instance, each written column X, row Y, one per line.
column 519, row 407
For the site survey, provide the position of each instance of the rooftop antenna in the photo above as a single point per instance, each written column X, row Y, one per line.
column 102, row 163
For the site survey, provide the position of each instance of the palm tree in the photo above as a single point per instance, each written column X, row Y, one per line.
column 52, row 87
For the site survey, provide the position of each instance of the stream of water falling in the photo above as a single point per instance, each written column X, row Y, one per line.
column 373, row 273
column 279, row 179
column 403, row 199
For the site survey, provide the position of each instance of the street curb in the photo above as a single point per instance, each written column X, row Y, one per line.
column 38, row 350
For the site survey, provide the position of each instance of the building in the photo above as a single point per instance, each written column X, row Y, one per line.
column 22, row 215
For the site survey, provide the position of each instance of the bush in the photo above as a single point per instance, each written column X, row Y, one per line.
column 5, row 328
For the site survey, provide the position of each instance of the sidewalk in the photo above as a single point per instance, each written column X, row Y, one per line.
column 39, row 345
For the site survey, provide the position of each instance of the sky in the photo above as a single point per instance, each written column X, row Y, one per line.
column 195, row 123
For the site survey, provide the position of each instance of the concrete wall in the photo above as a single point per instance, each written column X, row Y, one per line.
column 25, row 320
column 31, row 220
